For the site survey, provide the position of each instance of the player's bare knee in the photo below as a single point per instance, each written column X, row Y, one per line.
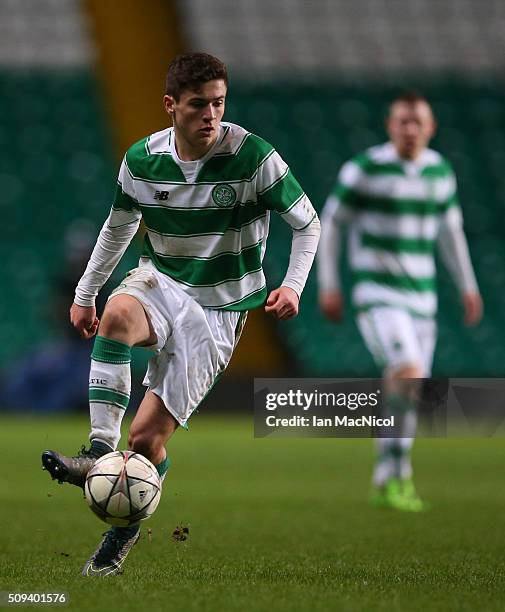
column 116, row 321
column 404, row 381
column 407, row 371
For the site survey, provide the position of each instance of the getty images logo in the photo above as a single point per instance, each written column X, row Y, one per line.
column 317, row 399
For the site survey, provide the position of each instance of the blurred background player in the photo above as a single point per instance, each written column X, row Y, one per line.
column 204, row 190
column 398, row 200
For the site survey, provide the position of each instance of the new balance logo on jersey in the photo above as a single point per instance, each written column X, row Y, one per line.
column 161, row 195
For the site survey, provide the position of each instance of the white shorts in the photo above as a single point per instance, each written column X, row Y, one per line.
column 396, row 339
column 194, row 344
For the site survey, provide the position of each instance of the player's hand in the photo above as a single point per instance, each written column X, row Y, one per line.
column 331, row 304
column 84, row 319
column 283, row 303
column 472, row 303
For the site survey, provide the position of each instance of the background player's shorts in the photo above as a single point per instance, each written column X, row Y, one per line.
column 396, row 339
column 194, row 344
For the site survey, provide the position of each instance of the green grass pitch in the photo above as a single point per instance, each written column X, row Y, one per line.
column 278, row 525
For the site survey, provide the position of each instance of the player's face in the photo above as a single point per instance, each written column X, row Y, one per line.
column 196, row 117
column 410, row 127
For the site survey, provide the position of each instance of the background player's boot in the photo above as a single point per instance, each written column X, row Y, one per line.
column 112, row 552
column 412, row 500
column 398, row 495
column 390, row 495
column 73, row 469
column 385, row 495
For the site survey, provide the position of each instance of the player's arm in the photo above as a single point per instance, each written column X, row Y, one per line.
column 284, row 301
column 115, row 236
column 279, row 190
column 337, row 211
column 453, row 248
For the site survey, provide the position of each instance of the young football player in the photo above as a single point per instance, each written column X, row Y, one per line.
column 204, row 190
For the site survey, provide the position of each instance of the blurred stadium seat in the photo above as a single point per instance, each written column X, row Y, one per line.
column 343, row 36
column 56, row 164
column 56, row 167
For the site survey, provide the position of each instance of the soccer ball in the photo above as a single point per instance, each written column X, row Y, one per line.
column 123, row 488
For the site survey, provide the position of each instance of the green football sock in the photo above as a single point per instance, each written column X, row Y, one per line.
column 109, row 389
column 163, row 468
column 393, row 457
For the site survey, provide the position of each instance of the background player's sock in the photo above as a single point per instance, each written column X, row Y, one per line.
column 393, row 456
column 109, row 390
column 384, row 468
column 405, row 443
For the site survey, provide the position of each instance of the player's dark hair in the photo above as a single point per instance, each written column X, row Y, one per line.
column 191, row 71
column 410, row 96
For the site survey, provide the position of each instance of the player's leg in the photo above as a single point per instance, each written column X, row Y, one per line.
column 153, row 424
column 401, row 387
column 425, row 329
column 150, row 430
column 405, row 387
column 124, row 324
column 390, row 336
column 179, row 377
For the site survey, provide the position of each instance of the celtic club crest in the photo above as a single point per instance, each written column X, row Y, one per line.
column 224, row 195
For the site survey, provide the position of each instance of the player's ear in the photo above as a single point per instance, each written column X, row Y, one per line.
column 168, row 103
column 434, row 127
column 387, row 124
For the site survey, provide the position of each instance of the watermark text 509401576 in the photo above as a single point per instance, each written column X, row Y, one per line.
column 33, row 598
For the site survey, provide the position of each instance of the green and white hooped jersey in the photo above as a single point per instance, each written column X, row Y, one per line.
column 394, row 210
column 208, row 232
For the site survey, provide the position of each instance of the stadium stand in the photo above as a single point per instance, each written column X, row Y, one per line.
column 331, row 36
column 56, row 164
column 44, row 34
column 56, row 171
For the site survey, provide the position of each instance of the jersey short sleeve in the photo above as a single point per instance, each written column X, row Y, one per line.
column 125, row 208
column 452, row 216
column 343, row 198
column 346, row 188
column 124, row 197
column 278, row 190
